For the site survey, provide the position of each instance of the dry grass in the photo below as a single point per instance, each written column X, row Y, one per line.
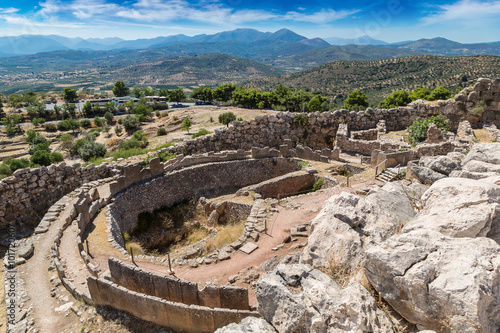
column 98, row 238
column 482, row 135
column 226, row 236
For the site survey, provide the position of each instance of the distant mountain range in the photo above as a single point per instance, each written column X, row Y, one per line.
column 249, row 38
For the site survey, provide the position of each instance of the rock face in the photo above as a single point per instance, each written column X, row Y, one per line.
column 433, row 134
column 248, row 325
column 425, row 175
column 441, row 164
column 337, row 231
column 446, row 284
column 298, row 298
column 460, row 208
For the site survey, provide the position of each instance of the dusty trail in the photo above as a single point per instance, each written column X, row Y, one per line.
column 36, row 275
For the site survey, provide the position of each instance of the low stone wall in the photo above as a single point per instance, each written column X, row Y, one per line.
column 282, row 186
column 177, row 290
column 392, row 159
column 442, row 148
column 177, row 186
column 367, row 135
column 27, row 195
column 364, row 147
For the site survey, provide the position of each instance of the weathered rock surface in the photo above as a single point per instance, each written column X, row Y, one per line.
column 460, row 208
column 484, row 152
column 425, row 175
column 298, row 298
column 248, row 325
column 441, row 164
column 336, row 233
column 446, row 284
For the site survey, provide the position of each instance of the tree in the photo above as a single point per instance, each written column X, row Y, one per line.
column 356, row 98
column 418, row 129
column 149, row 92
column 177, row 95
column 98, row 121
column 130, row 123
column 69, row 94
column 137, row 92
column 67, row 141
column 87, row 108
column 69, row 108
column 91, row 149
column 31, row 135
column 120, row 90
column 420, row 93
column 397, row 98
column 440, row 93
column 186, row 124
column 142, row 109
column 201, row 93
column 224, row 92
column 68, row 124
column 110, row 106
column 315, row 104
column 226, row 118
column 109, row 117
column 41, row 157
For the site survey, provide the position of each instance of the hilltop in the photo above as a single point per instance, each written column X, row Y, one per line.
column 381, row 77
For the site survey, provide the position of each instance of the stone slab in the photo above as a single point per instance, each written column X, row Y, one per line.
column 249, row 247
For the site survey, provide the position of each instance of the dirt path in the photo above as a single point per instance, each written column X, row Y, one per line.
column 36, row 276
column 75, row 267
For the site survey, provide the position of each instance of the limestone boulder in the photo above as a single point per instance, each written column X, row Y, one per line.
column 425, row 175
column 441, row 283
column 481, row 167
column 460, row 207
column 298, row 298
column 248, row 325
column 441, row 164
column 484, row 152
column 348, row 223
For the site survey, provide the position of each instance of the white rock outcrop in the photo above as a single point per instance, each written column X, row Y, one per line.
column 298, row 298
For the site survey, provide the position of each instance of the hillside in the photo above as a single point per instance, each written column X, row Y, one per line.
column 208, row 69
column 445, row 47
column 379, row 78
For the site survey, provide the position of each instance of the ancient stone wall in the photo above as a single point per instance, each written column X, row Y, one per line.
column 26, row 196
column 177, row 290
column 178, row 316
column 187, row 183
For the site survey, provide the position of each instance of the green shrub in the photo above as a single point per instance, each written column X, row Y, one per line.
column 164, row 114
column 118, row 130
column 440, row 93
column 417, row 132
column 91, row 149
column 56, row 157
column 140, row 135
column 85, row 123
column 5, row 170
column 109, row 117
column 397, row 98
column 38, row 121
column 226, row 118
column 318, row 184
column 130, row 123
column 19, row 163
column 98, row 121
column 40, row 157
column 130, row 144
column 68, row 125
column 31, row 135
column 161, row 131
column 50, row 127
column 201, row 132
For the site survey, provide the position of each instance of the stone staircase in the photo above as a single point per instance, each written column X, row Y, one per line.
column 387, row 175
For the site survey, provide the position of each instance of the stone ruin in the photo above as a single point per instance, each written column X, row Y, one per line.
column 264, row 148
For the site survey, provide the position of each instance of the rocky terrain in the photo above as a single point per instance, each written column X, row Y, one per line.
column 437, row 266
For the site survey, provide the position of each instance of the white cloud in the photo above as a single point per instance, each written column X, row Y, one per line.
column 465, row 10
column 9, row 10
column 323, row 16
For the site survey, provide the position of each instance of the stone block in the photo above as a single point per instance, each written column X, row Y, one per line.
column 189, row 292
column 284, row 151
column 159, row 310
column 249, row 248
column 234, row 298
column 223, row 317
column 155, row 166
column 146, row 174
column 209, row 296
column 179, row 317
column 174, row 290
column 202, row 319
column 160, row 283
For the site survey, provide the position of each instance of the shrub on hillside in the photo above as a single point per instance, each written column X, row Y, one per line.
column 201, row 132
column 130, row 123
column 91, row 149
column 417, row 132
column 397, row 98
column 161, row 131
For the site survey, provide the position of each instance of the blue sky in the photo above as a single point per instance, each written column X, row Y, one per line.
column 469, row 21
